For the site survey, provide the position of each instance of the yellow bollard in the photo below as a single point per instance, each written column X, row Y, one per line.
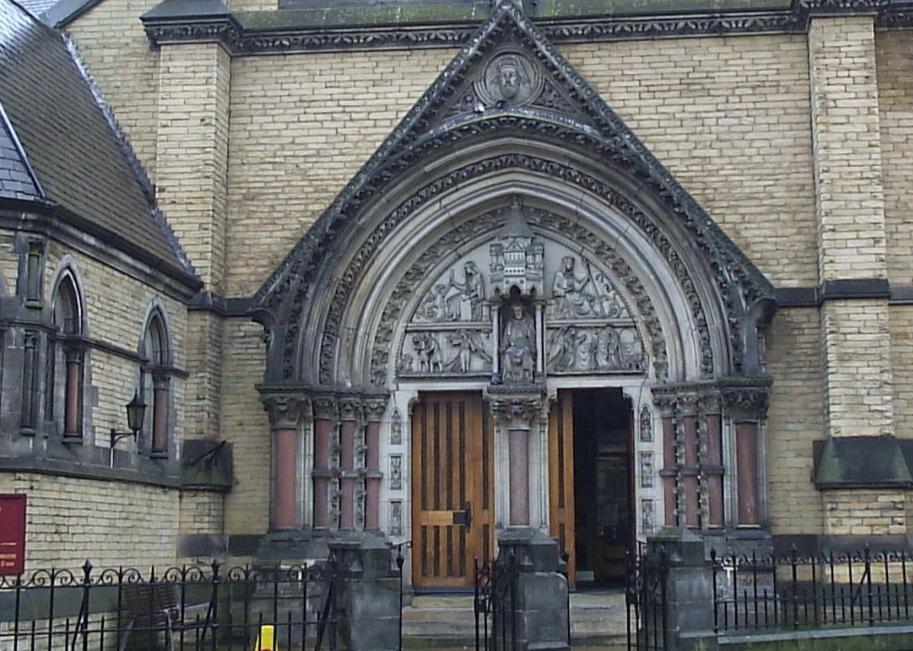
column 266, row 639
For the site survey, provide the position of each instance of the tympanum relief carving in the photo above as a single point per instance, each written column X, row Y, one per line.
column 488, row 313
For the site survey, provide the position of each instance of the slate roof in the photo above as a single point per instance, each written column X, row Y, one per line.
column 37, row 7
column 69, row 137
column 17, row 181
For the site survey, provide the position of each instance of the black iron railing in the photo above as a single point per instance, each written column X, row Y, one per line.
column 495, row 604
column 210, row 607
column 810, row 591
column 645, row 598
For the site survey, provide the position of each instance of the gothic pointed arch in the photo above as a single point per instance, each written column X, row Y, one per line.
column 155, row 380
column 510, row 126
column 66, row 354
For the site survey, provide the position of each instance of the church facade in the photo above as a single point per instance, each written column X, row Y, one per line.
column 448, row 269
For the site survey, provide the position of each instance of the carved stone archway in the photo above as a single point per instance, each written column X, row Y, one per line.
column 513, row 235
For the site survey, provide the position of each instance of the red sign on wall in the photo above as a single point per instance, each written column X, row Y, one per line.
column 12, row 534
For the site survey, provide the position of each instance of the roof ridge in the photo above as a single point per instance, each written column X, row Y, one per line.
column 123, row 144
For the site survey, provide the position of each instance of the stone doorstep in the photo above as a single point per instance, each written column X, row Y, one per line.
column 598, row 621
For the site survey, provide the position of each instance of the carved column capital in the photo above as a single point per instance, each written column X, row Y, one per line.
column 350, row 408
column 687, row 399
column 746, row 401
column 375, row 407
column 285, row 410
column 325, row 407
column 518, row 410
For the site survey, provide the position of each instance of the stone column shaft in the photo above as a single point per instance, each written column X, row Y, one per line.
column 74, row 370
column 285, row 503
column 286, row 414
column 323, row 429
column 518, row 442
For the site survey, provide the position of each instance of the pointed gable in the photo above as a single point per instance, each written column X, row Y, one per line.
column 557, row 97
column 510, row 85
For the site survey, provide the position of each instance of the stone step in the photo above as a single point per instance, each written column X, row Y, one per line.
column 598, row 621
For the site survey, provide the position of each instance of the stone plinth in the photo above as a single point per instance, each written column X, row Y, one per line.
column 541, row 609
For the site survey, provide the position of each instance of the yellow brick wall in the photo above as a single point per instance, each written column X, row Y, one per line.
column 729, row 117
column 901, row 323
column 116, row 306
column 111, row 41
column 850, row 202
column 301, row 126
column 191, row 150
column 895, row 99
column 858, row 367
column 865, row 512
column 111, row 524
column 201, row 512
column 795, row 420
column 204, row 361
column 246, row 425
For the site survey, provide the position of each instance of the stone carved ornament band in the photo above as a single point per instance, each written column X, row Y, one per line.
column 243, row 38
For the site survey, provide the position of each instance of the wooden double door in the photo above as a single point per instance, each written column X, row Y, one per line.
column 453, row 485
column 452, row 488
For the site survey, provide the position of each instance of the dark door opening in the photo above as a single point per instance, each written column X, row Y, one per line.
column 603, row 488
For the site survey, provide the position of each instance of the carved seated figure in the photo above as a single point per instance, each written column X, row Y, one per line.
column 519, row 346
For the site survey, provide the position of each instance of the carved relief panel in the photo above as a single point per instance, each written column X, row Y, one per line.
column 490, row 312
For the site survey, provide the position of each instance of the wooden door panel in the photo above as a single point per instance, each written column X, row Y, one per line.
column 561, row 478
column 451, row 460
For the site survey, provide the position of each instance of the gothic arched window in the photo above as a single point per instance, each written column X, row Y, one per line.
column 66, row 352
column 155, row 383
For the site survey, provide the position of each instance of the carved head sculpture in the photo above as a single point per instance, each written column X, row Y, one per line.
column 567, row 263
column 510, row 76
column 517, row 311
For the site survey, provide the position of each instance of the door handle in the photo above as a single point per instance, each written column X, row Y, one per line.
column 463, row 517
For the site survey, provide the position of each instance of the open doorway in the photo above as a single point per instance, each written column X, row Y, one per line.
column 603, row 485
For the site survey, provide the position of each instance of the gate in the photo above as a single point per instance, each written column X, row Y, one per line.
column 495, row 604
column 645, row 597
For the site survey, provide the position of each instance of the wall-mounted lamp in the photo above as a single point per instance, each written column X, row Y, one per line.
column 136, row 411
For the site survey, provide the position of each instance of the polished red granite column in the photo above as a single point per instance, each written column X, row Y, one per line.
column 669, row 471
column 324, row 423
column 286, row 509
column 374, row 411
column 746, row 434
column 714, row 477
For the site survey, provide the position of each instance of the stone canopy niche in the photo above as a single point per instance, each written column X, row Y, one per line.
column 518, row 308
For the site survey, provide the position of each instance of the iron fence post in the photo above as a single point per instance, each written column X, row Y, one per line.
column 716, row 617
column 400, row 561
column 84, row 607
column 868, row 575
